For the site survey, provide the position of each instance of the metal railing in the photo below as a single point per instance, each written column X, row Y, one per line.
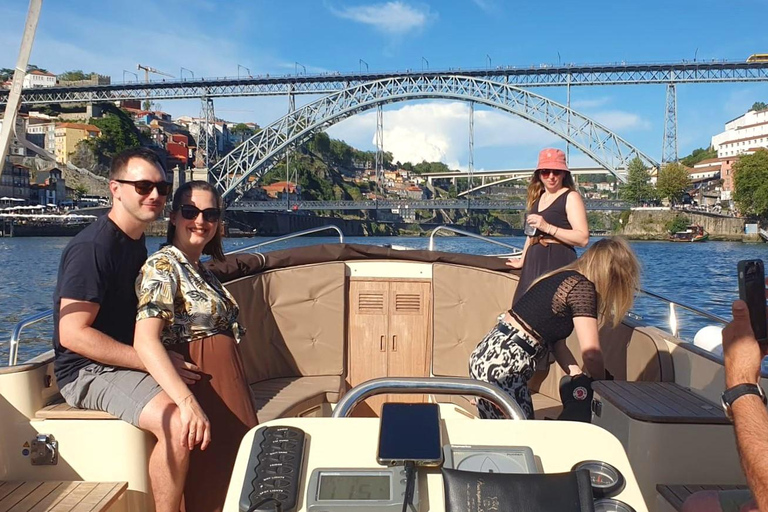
column 288, row 237
column 13, row 346
column 432, row 386
column 469, row 234
column 673, row 327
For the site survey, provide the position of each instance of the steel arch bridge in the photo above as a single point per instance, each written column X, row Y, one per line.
column 261, row 152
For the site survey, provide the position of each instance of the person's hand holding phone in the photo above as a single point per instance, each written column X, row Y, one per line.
column 742, row 353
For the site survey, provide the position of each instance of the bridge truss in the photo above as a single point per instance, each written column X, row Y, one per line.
column 328, row 83
column 240, row 170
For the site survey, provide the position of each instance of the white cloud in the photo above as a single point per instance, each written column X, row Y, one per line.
column 439, row 131
column 619, row 120
column 591, row 103
column 391, row 17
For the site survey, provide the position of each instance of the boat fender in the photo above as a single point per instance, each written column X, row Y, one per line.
column 710, row 338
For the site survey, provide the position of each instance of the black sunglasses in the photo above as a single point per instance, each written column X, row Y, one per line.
column 546, row 172
column 190, row 212
column 145, row 187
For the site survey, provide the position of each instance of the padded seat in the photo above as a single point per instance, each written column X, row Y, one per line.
column 290, row 396
column 60, row 410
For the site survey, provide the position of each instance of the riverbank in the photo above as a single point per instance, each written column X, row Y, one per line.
column 653, row 224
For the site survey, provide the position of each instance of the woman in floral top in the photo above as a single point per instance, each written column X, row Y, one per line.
column 183, row 308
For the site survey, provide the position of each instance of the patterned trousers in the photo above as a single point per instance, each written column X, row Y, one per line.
column 499, row 361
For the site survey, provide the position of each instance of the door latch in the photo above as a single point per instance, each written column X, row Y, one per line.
column 44, row 450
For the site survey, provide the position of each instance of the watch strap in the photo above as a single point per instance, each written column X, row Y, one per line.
column 730, row 395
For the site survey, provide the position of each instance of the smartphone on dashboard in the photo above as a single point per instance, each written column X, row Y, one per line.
column 752, row 291
column 410, row 432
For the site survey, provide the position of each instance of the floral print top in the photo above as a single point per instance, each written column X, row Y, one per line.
column 190, row 299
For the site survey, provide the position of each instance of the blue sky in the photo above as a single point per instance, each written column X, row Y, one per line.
column 211, row 38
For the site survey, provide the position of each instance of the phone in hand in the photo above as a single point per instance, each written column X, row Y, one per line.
column 752, row 291
column 410, row 432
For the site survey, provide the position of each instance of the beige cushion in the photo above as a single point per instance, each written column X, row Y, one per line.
column 286, row 397
column 295, row 321
column 545, row 407
column 466, row 303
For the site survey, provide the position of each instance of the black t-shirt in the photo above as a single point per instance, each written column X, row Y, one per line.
column 548, row 307
column 99, row 265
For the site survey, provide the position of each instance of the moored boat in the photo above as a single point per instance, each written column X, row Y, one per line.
column 693, row 233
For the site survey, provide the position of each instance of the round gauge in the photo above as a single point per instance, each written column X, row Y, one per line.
column 611, row 505
column 606, row 480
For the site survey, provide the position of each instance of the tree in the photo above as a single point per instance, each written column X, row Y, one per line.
column 73, row 75
column 32, row 67
column 759, row 105
column 5, row 74
column 321, row 144
column 117, row 133
column 750, row 184
column 698, row 155
column 673, row 181
column 242, row 131
column 637, row 189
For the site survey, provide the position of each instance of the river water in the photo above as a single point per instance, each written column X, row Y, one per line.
column 702, row 275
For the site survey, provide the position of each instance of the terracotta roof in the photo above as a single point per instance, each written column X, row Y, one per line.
column 707, row 161
column 41, row 73
column 709, row 168
column 79, row 126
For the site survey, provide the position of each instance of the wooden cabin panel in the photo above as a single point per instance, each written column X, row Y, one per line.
column 368, row 335
column 408, row 333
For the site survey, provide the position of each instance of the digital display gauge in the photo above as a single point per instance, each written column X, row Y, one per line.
column 606, row 480
column 368, row 490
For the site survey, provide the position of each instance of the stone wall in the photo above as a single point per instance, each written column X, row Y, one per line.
column 651, row 225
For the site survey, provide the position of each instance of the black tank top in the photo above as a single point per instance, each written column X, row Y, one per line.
column 555, row 214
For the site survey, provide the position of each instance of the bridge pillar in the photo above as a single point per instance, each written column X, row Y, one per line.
column 669, row 150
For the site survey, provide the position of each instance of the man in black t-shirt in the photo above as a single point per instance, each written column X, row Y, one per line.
column 95, row 303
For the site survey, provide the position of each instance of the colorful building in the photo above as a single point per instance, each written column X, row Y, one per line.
column 67, row 137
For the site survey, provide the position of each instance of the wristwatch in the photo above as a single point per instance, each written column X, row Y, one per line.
column 730, row 395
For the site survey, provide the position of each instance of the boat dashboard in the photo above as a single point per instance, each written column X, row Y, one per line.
column 331, row 464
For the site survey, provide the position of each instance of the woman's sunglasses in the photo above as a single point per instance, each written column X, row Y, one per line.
column 190, row 212
column 145, row 187
column 546, row 172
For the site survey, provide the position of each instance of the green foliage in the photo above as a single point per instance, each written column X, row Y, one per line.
column 759, row 105
column 117, row 133
column 32, row 67
column 672, row 182
column 679, row 223
column 697, row 155
column 242, row 131
column 427, row 167
column 6, row 74
column 750, row 184
column 637, row 189
column 75, row 74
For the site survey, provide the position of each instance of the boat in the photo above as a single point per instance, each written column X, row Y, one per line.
column 693, row 233
column 336, row 330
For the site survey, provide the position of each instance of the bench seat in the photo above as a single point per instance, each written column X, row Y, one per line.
column 59, row 495
column 677, row 494
column 290, row 396
column 61, row 410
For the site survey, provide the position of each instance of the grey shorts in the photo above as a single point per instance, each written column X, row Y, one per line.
column 120, row 392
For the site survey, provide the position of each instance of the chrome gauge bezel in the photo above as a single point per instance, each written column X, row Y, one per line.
column 604, row 491
column 617, row 506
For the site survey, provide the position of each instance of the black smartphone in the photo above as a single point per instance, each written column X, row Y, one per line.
column 752, row 291
column 410, row 432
